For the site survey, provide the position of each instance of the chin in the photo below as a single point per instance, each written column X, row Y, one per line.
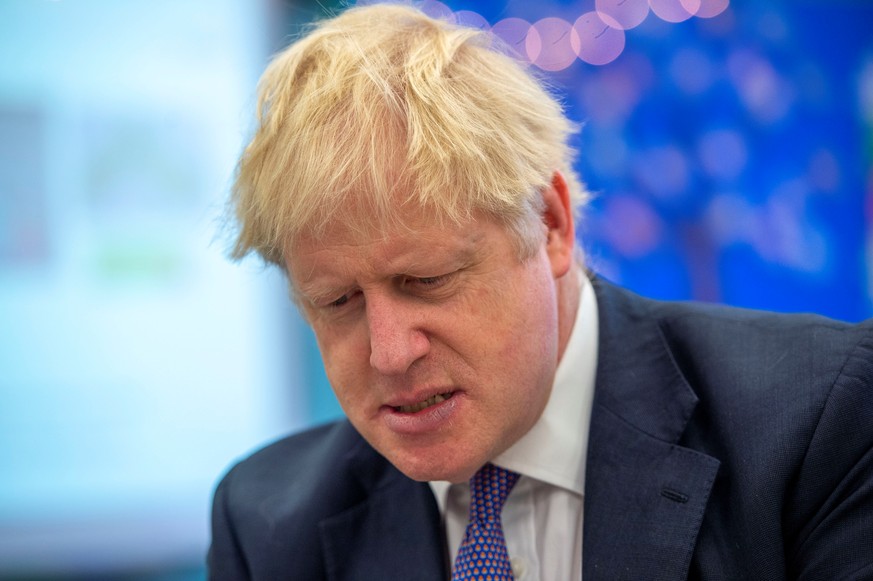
column 424, row 470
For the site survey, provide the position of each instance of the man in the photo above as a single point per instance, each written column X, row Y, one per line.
column 415, row 184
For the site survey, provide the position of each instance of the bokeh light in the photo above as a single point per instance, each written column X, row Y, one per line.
column 626, row 14
column 711, row 8
column 723, row 154
column 675, row 10
column 436, row 9
column 663, row 170
column 550, row 48
column 513, row 32
column 471, row 19
column 611, row 94
column 765, row 93
column 632, row 226
column 597, row 39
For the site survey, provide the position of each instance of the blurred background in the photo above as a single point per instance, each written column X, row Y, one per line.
column 729, row 145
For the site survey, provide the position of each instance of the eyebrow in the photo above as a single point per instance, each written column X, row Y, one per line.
column 315, row 294
column 461, row 257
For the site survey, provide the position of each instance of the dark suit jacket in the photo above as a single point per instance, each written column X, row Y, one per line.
column 724, row 444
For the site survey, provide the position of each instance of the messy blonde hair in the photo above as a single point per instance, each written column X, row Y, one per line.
column 383, row 106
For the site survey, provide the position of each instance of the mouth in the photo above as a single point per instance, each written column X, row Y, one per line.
column 422, row 405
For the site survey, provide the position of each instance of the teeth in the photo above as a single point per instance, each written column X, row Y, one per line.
column 411, row 409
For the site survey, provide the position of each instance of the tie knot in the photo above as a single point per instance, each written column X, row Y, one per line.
column 489, row 488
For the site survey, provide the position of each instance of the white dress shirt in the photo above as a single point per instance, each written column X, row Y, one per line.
column 542, row 518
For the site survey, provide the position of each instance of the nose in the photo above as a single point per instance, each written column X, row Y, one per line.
column 396, row 340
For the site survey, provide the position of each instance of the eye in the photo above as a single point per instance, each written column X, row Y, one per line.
column 430, row 280
column 343, row 300
column 426, row 283
column 339, row 302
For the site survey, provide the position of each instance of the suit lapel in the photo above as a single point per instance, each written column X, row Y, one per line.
column 393, row 534
column 644, row 495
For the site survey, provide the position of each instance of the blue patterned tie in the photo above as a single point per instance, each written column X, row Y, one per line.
column 483, row 554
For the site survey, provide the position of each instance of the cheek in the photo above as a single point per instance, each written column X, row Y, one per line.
column 533, row 318
column 345, row 363
column 533, row 326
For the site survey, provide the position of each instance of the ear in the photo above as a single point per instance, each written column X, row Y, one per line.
column 558, row 218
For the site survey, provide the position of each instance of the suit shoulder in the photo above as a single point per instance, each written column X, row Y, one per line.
column 761, row 340
column 740, row 355
column 288, row 474
column 306, row 449
column 721, row 331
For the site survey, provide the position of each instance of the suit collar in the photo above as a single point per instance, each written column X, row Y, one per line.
column 645, row 495
column 393, row 533
column 637, row 376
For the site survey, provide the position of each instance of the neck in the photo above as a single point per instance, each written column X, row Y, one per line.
column 569, row 288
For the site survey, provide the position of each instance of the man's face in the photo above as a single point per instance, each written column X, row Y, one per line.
column 441, row 345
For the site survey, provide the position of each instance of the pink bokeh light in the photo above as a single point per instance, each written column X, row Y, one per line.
column 597, row 38
column 627, row 14
column 675, row 10
column 632, row 226
column 551, row 48
column 514, row 31
column 712, row 8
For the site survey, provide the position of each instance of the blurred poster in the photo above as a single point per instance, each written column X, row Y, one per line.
column 137, row 362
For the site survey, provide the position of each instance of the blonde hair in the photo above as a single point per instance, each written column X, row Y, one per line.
column 383, row 106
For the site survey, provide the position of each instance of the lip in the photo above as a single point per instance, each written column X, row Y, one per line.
column 420, row 396
column 428, row 420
